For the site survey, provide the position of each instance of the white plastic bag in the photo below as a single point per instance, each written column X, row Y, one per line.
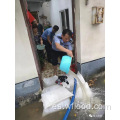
column 49, row 81
column 54, row 96
column 50, row 88
column 57, row 107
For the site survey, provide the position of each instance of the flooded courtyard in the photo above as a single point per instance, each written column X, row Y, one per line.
column 95, row 110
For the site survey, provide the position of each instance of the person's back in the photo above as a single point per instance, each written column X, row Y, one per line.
column 47, row 37
column 46, row 33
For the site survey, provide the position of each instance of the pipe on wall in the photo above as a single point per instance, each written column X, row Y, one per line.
column 74, row 34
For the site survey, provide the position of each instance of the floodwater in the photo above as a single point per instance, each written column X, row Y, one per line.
column 97, row 111
column 34, row 110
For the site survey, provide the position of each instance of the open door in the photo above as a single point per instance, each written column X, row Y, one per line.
column 66, row 25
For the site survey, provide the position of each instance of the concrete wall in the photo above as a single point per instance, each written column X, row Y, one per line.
column 46, row 7
column 52, row 11
column 42, row 9
column 36, row 7
column 24, row 61
column 77, row 27
column 56, row 7
column 91, row 39
column 32, row 6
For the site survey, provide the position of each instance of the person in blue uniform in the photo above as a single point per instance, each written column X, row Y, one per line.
column 61, row 45
column 47, row 37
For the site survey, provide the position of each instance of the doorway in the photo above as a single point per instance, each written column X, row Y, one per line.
column 66, row 16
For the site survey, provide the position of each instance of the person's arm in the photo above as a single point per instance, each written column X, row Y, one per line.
column 61, row 48
column 41, row 41
column 42, row 30
column 48, row 39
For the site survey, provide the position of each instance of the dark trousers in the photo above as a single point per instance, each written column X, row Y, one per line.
column 41, row 53
column 55, row 55
column 41, row 57
column 48, row 48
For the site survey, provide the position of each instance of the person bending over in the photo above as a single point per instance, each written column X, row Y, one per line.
column 61, row 45
column 47, row 37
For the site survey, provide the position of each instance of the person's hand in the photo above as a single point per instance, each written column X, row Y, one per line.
column 41, row 42
column 50, row 43
column 70, row 53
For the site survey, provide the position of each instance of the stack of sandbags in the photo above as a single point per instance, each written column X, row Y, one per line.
column 55, row 98
column 47, row 82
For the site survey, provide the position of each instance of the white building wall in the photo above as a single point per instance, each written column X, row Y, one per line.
column 36, row 7
column 52, row 11
column 92, row 37
column 33, row 6
column 24, row 62
column 46, row 7
column 77, row 27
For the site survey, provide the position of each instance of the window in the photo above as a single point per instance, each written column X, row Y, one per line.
column 65, row 19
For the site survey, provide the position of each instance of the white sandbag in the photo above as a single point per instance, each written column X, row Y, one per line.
column 50, row 88
column 57, row 107
column 55, row 96
column 49, row 81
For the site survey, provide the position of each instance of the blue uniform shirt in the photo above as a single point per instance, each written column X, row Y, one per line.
column 58, row 39
column 48, row 32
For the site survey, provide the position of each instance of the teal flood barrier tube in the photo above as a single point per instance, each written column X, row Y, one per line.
column 72, row 100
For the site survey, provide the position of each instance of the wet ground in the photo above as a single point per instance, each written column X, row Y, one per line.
column 97, row 112
column 48, row 70
column 33, row 111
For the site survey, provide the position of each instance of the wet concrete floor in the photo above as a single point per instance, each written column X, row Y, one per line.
column 33, row 111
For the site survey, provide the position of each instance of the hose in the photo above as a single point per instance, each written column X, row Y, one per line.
column 72, row 100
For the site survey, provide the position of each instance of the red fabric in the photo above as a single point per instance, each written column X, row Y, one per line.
column 30, row 17
column 72, row 67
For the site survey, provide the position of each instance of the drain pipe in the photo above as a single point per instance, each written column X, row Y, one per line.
column 74, row 34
